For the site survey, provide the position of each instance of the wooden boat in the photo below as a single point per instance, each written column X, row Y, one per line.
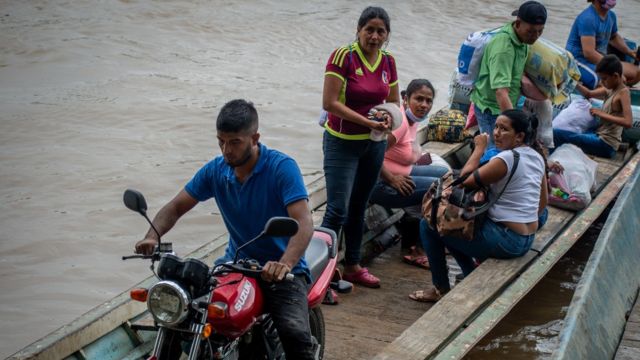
column 448, row 329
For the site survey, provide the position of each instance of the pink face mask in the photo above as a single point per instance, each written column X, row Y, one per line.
column 608, row 4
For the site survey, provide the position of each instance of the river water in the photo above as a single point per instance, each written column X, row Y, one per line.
column 98, row 96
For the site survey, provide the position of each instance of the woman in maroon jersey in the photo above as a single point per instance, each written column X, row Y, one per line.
column 358, row 77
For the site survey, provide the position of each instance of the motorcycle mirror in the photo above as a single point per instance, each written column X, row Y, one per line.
column 134, row 200
column 281, row 226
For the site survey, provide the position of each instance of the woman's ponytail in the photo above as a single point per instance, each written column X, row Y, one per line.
column 526, row 123
column 531, row 138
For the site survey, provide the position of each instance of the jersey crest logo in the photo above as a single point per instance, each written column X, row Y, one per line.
column 359, row 71
column 385, row 78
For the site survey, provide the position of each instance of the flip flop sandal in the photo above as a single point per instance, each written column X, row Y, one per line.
column 420, row 261
column 430, row 295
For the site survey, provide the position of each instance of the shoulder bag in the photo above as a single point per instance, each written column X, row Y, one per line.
column 455, row 211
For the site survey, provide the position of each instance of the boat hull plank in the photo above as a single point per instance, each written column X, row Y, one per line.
column 367, row 320
column 556, row 221
column 629, row 347
column 609, row 284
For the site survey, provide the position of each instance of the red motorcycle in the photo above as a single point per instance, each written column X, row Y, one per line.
column 217, row 313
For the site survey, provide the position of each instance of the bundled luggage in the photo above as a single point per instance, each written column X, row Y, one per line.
column 552, row 69
column 470, row 56
column 447, row 125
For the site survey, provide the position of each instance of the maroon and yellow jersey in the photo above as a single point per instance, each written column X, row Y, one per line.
column 364, row 86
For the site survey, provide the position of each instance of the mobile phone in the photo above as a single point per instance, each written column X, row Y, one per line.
column 425, row 159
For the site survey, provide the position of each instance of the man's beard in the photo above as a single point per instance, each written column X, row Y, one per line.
column 243, row 160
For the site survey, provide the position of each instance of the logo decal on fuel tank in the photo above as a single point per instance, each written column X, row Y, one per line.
column 244, row 294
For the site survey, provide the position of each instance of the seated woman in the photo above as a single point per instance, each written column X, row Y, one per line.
column 402, row 182
column 591, row 32
column 512, row 221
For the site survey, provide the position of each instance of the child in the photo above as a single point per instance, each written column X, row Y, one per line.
column 615, row 113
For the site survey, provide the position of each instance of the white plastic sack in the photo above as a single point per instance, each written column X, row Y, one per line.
column 458, row 93
column 470, row 55
column 543, row 111
column 576, row 117
column 579, row 170
column 560, row 194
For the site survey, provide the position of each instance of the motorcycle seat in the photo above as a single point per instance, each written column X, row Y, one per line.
column 317, row 256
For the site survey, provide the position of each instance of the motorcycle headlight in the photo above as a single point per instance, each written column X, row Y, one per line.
column 168, row 303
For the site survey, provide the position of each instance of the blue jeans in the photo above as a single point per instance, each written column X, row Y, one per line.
column 590, row 143
column 491, row 240
column 542, row 219
column 422, row 175
column 351, row 169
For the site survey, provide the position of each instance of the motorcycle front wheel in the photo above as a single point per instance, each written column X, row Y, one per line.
column 316, row 323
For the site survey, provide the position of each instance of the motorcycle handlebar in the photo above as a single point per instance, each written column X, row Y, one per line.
column 166, row 248
column 253, row 272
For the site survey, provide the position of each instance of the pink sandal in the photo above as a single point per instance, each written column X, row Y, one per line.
column 362, row 277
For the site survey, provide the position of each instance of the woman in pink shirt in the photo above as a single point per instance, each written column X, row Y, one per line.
column 402, row 182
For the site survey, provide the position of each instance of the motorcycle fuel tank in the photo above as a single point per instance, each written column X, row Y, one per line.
column 244, row 301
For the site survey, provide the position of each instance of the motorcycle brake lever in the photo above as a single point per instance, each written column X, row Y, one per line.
column 137, row 256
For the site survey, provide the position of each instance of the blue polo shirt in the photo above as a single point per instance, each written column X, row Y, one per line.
column 589, row 23
column 246, row 207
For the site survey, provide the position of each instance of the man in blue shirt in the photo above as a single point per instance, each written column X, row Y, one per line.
column 591, row 32
column 251, row 184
